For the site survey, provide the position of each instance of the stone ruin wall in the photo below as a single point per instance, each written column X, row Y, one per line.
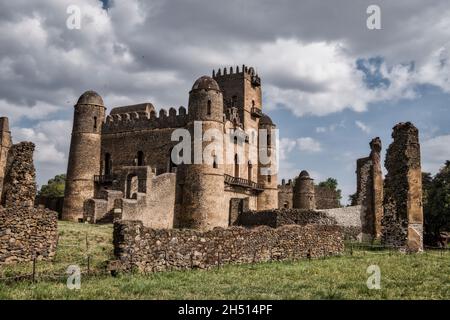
column 402, row 223
column 279, row 217
column 326, row 198
column 150, row 250
column 346, row 218
column 25, row 232
column 369, row 194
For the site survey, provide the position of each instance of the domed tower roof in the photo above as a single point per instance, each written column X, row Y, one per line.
column 304, row 174
column 91, row 97
column 265, row 120
column 205, row 82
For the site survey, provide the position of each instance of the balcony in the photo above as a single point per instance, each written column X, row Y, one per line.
column 234, row 181
column 256, row 81
column 256, row 112
column 104, row 178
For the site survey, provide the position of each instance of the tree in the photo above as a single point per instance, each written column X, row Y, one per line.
column 54, row 187
column 437, row 205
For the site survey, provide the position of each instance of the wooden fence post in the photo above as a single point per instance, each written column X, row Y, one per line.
column 34, row 269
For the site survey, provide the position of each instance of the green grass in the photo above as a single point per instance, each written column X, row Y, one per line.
column 403, row 276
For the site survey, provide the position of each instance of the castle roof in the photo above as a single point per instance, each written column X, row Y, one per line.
column 304, row 174
column 265, row 119
column 90, row 97
column 205, row 82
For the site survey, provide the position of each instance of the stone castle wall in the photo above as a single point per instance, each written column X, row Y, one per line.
column 150, row 250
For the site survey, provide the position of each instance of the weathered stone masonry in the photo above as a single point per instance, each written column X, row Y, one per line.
column 402, row 223
column 149, row 250
column 25, row 232
column 370, row 191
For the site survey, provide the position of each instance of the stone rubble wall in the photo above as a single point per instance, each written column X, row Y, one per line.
column 279, row 217
column 150, row 250
column 19, row 187
column 27, row 232
column 326, row 198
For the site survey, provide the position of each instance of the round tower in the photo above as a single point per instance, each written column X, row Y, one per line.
column 267, row 172
column 304, row 193
column 84, row 155
column 201, row 201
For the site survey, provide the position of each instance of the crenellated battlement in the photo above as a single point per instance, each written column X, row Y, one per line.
column 227, row 72
column 233, row 73
column 148, row 119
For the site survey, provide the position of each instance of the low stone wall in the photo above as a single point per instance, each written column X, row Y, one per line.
column 349, row 219
column 150, row 250
column 26, row 232
column 279, row 217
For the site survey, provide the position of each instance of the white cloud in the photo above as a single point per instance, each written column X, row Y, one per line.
column 435, row 152
column 308, row 144
column 286, row 146
column 330, row 128
column 361, row 125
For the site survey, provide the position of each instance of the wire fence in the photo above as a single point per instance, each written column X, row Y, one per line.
column 57, row 268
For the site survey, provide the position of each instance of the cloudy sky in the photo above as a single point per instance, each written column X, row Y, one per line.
column 329, row 82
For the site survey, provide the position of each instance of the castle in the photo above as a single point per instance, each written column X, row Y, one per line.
column 122, row 165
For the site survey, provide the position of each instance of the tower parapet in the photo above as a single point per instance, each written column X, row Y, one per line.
column 241, row 88
column 131, row 120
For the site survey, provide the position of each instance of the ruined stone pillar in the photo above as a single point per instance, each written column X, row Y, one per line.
column 19, row 186
column 402, row 223
column 370, row 191
column 5, row 145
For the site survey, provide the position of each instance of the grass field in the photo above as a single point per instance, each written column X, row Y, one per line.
column 419, row 276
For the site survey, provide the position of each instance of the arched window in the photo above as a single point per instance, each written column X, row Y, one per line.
column 95, row 123
column 269, row 138
column 250, row 168
column 253, row 103
column 208, row 108
column 108, row 164
column 172, row 164
column 236, row 166
column 234, row 101
column 215, row 166
column 140, row 158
